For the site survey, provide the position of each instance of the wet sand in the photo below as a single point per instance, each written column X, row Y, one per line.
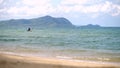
column 15, row 61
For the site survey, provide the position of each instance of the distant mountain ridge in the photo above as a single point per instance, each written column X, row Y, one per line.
column 45, row 21
column 42, row 22
column 91, row 26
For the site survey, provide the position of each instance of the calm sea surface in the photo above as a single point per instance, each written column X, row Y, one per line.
column 101, row 44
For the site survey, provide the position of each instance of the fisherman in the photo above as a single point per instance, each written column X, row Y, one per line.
column 29, row 29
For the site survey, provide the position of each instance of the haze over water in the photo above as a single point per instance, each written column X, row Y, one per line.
column 92, row 44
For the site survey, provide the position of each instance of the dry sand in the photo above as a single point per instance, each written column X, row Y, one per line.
column 15, row 61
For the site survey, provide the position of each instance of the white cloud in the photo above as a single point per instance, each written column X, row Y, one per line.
column 74, row 2
column 35, row 8
column 29, row 8
column 1, row 1
column 115, row 12
column 95, row 8
column 36, row 2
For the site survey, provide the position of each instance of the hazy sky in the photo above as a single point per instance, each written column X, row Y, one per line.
column 79, row 12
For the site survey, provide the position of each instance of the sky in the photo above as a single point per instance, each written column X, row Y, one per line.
column 79, row 12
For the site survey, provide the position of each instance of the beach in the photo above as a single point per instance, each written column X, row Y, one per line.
column 16, row 61
column 59, row 33
column 60, row 48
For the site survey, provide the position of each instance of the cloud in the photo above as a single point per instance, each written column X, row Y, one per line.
column 35, row 8
column 1, row 1
column 29, row 8
column 74, row 2
column 90, row 7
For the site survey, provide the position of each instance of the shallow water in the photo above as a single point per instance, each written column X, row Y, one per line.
column 101, row 44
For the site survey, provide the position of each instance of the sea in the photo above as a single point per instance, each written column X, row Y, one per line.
column 86, row 44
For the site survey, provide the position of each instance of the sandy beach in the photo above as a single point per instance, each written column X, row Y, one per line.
column 15, row 61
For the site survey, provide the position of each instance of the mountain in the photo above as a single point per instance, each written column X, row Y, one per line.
column 46, row 21
column 89, row 26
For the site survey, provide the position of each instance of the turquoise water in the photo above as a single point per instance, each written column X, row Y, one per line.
column 101, row 44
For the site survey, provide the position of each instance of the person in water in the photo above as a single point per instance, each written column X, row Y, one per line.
column 29, row 29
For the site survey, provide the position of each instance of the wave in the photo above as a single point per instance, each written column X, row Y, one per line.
column 10, row 40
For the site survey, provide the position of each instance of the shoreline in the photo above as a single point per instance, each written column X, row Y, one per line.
column 17, row 61
column 63, row 57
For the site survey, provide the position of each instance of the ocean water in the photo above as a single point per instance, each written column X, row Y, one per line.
column 94, row 44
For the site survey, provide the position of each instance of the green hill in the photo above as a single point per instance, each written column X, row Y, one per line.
column 46, row 21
